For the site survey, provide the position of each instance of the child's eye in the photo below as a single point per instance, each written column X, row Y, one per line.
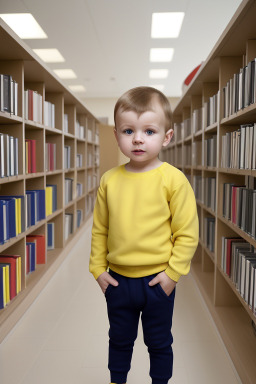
column 128, row 131
column 149, row 132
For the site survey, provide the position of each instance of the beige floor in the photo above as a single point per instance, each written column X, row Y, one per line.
column 62, row 338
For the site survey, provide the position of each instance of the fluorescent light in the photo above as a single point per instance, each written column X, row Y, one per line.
column 162, row 55
column 158, row 73
column 166, row 24
column 65, row 73
column 24, row 25
column 49, row 55
column 77, row 88
column 160, row 87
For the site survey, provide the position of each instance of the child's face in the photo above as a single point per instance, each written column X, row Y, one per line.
column 141, row 137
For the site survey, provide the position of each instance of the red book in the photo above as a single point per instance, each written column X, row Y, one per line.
column 29, row 155
column 30, row 104
column 33, row 156
column 229, row 256
column 40, row 247
column 6, row 259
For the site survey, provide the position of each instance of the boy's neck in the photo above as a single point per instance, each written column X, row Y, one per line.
column 137, row 167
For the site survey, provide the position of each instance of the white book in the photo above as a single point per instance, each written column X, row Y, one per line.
column 2, row 157
column 6, row 154
column 11, row 138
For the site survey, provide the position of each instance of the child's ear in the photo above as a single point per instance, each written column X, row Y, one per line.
column 115, row 132
column 168, row 137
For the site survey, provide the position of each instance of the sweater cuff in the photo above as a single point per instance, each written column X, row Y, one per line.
column 172, row 274
column 98, row 272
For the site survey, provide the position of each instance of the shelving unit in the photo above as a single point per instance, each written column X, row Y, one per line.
column 17, row 60
column 233, row 51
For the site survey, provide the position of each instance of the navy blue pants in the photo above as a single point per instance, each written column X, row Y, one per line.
column 125, row 303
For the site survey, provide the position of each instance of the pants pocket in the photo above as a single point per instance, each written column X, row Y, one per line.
column 163, row 293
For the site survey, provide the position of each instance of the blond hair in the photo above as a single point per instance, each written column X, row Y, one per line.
column 139, row 100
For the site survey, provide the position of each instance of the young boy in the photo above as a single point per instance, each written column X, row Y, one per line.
column 145, row 230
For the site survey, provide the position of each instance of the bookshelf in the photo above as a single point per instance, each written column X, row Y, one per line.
column 71, row 126
column 200, row 122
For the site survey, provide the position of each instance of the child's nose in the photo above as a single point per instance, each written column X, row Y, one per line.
column 137, row 138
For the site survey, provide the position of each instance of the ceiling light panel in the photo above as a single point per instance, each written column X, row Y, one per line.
column 158, row 73
column 65, row 73
column 166, row 24
column 77, row 88
column 49, row 55
column 161, row 55
column 24, row 25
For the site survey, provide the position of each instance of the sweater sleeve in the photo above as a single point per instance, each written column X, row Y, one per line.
column 185, row 232
column 99, row 249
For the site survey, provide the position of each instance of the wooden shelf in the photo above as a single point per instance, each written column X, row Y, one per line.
column 235, row 48
column 17, row 60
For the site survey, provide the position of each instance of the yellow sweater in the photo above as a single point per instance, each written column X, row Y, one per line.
column 144, row 223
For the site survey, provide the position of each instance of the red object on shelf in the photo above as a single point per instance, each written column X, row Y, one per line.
column 190, row 77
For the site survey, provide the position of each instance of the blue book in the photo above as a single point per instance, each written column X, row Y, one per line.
column 50, row 236
column 39, row 203
column 11, row 218
column 23, row 214
column 32, row 213
column 32, row 256
column 2, row 222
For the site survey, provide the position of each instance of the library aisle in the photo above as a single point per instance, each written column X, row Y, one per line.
column 62, row 338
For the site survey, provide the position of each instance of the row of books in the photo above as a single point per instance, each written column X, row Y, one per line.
column 68, row 190
column 68, row 227
column 49, row 114
column 239, row 148
column 9, row 149
column 239, row 206
column 92, row 181
column 89, row 134
column 79, row 216
column 50, row 156
column 8, row 94
column 17, row 213
column 80, row 130
column 79, row 189
column 209, row 233
column 30, row 155
column 79, row 160
column 35, row 252
column 196, row 153
column 210, row 152
column 188, row 155
column 10, row 278
column 209, row 196
column 240, row 90
column 33, row 106
column 197, row 120
column 211, row 110
column 238, row 261
column 67, row 156
column 65, row 123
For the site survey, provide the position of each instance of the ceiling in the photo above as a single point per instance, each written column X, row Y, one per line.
column 107, row 42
